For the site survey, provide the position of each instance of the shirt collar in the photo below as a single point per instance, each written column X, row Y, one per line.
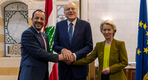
column 74, row 22
column 35, row 29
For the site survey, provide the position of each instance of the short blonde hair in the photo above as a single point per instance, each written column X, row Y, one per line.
column 108, row 22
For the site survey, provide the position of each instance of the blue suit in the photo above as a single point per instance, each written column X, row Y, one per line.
column 81, row 45
column 34, row 62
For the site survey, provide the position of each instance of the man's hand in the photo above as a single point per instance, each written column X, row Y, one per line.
column 61, row 57
column 68, row 55
column 106, row 71
column 71, row 60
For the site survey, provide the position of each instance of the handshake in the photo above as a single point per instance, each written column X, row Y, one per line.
column 67, row 56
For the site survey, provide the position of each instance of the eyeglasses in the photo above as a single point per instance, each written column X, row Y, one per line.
column 68, row 9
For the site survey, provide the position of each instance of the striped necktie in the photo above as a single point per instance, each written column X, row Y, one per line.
column 43, row 40
column 70, row 31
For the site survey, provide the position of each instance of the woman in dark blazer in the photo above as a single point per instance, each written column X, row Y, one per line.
column 111, row 53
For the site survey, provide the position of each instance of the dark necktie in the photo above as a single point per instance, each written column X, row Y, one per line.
column 70, row 31
column 43, row 40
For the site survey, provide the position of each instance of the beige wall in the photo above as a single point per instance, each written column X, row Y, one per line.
column 29, row 22
column 9, row 68
column 1, row 35
column 1, row 21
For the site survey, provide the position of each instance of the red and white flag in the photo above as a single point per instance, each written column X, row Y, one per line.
column 49, row 29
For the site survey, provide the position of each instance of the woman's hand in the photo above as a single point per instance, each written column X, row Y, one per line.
column 106, row 71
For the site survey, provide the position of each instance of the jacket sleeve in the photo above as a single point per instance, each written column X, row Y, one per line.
column 123, row 60
column 31, row 45
column 87, row 60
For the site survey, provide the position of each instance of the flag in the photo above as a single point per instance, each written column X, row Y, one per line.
column 142, row 47
column 49, row 30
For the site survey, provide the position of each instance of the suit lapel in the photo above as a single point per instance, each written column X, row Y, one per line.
column 101, row 53
column 102, row 49
column 44, row 37
column 65, row 31
column 76, row 31
column 112, row 48
column 38, row 37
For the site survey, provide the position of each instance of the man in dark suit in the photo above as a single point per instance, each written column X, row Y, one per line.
column 35, row 51
column 73, row 39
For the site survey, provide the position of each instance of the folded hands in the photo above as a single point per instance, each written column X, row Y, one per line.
column 66, row 56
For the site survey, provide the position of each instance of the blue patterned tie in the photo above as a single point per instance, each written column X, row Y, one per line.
column 70, row 31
